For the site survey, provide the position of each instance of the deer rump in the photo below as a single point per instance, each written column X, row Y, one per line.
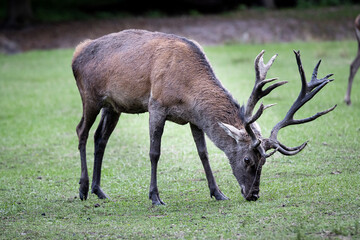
column 136, row 71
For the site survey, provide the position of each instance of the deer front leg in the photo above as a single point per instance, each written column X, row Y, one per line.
column 156, row 125
column 199, row 139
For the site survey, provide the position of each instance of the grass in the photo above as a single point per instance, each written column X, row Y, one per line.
column 312, row 195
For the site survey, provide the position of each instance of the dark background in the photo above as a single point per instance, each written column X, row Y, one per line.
column 21, row 13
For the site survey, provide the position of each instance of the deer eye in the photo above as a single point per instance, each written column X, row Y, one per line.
column 247, row 160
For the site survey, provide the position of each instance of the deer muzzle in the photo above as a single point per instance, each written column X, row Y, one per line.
column 251, row 196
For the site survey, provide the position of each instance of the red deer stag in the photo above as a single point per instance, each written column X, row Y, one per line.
column 136, row 71
column 355, row 64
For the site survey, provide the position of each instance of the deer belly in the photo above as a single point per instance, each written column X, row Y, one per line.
column 125, row 104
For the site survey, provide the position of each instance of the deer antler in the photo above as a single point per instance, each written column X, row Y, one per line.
column 257, row 93
column 308, row 91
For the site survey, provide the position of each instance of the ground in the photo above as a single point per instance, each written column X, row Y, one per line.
column 250, row 26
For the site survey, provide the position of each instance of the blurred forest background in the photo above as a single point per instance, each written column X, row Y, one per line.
column 19, row 13
column 45, row 24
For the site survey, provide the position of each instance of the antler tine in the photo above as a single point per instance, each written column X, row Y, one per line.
column 315, row 116
column 294, row 151
column 302, row 75
column 308, row 91
column 261, row 69
column 316, row 82
column 257, row 93
column 258, row 113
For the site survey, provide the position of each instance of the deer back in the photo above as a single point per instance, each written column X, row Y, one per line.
column 128, row 68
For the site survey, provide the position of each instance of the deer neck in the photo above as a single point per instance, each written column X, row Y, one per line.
column 221, row 108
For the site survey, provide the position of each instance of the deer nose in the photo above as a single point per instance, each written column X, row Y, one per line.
column 253, row 197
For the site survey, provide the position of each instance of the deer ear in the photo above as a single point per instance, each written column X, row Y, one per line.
column 233, row 132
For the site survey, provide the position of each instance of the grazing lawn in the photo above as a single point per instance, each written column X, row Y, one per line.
column 312, row 195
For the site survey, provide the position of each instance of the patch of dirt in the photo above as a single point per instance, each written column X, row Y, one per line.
column 260, row 27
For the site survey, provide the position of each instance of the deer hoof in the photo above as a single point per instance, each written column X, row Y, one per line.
column 84, row 189
column 158, row 203
column 99, row 192
column 83, row 195
column 347, row 101
column 219, row 195
column 156, row 200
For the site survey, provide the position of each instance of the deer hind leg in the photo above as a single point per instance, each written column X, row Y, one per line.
column 353, row 69
column 157, row 120
column 109, row 119
column 199, row 139
column 87, row 120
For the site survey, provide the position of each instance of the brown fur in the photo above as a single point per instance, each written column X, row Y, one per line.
column 135, row 71
column 80, row 47
column 167, row 68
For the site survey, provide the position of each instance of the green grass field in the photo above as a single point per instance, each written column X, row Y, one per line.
column 312, row 195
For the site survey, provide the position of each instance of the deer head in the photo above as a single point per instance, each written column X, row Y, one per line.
column 251, row 148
